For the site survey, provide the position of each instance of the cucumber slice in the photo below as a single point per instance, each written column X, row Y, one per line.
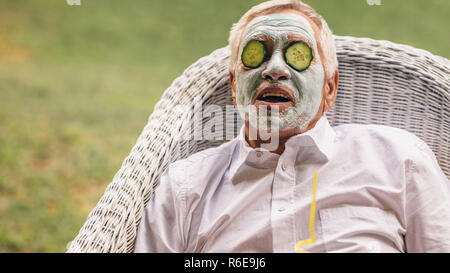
column 299, row 56
column 253, row 54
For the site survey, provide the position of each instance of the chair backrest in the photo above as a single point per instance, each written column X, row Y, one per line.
column 380, row 83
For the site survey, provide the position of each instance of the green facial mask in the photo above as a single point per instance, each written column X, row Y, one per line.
column 294, row 58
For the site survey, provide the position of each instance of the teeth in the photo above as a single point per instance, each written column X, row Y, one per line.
column 268, row 94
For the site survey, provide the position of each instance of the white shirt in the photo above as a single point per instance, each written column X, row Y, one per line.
column 379, row 189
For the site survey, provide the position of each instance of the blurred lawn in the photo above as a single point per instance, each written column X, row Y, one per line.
column 77, row 84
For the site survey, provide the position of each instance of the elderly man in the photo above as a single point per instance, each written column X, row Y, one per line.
column 352, row 188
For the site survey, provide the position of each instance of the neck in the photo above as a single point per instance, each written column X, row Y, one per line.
column 282, row 136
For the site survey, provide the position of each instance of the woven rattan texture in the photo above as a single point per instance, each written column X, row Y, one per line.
column 380, row 83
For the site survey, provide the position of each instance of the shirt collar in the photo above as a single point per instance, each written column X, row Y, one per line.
column 321, row 137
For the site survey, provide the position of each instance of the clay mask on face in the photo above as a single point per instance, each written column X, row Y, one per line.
column 281, row 31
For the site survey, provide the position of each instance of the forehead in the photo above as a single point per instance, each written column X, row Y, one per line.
column 279, row 24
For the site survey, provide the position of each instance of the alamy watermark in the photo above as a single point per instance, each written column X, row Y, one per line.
column 219, row 123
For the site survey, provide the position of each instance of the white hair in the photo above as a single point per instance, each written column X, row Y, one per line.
column 326, row 39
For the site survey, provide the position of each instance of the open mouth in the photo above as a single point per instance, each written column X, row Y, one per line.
column 274, row 95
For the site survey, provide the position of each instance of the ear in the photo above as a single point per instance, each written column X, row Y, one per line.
column 330, row 92
column 233, row 86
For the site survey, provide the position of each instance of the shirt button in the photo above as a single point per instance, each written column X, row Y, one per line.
column 258, row 154
column 281, row 209
column 283, row 167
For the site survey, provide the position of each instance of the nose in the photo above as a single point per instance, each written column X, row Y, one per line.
column 276, row 69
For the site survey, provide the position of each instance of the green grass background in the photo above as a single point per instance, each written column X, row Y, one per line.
column 77, row 84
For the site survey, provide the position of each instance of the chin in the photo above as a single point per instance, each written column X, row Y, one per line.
column 283, row 124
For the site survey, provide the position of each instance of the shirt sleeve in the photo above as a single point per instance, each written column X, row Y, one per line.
column 158, row 230
column 427, row 203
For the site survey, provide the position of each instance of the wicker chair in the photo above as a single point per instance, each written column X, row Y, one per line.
column 380, row 82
